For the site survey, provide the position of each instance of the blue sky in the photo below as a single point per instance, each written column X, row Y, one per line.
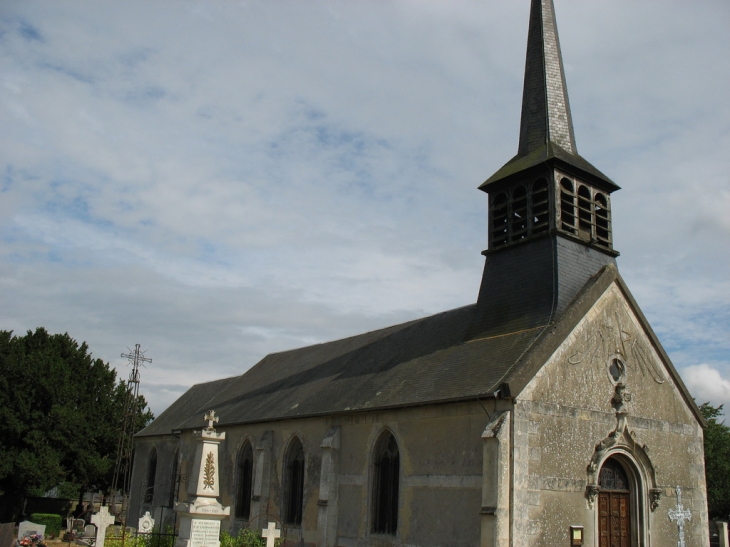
column 217, row 181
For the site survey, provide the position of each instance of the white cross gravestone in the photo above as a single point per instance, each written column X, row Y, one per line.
column 271, row 534
column 679, row 514
column 102, row 519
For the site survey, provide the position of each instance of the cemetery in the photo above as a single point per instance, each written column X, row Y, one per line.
column 199, row 523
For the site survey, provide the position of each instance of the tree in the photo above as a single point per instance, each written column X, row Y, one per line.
column 717, row 462
column 60, row 415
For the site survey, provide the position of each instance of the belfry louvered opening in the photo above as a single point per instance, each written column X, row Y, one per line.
column 520, row 212
column 585, row 212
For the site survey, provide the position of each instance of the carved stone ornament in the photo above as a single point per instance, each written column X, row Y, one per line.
column 620, row 441
column 591, row 494
column 620, row 397
column 654, row 495
column 209, row 472
column 146, row 524
column 613, row 338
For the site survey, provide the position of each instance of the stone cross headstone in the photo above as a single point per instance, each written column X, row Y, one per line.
column 146, row 524
column 679, row 514
column 102, row 519
column 271, row 534
column 27, row 528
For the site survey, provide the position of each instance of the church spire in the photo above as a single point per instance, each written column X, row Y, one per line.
column 545, row 108
column 546, row 128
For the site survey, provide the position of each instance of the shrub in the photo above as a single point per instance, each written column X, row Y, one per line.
column 128, row 541
column 52, row 522
column 155, row 539
column 245, row 538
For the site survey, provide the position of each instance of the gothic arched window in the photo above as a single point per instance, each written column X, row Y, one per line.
column 613, row 477
column 385, row 485
column 294, row 483
column 245, row 481
column 149, row 493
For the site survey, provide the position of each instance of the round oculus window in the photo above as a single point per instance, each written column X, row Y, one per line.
column 616, row 369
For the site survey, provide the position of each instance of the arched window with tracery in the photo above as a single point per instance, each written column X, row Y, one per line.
column 245, row 481
column 151, row 474
column 385, row 485
column 294, row 483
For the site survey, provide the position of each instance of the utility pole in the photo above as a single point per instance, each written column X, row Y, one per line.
column 123, row 467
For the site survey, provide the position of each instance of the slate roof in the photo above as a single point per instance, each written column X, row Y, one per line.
column 419, row 362
column 428, row 361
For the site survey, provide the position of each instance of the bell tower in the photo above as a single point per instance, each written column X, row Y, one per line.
column 549, row 208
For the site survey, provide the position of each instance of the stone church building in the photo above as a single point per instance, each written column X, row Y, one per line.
column 545, row 414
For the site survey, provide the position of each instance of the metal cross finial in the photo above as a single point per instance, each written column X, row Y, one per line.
column 679, row 514
column 211, row 418
column 271, row 533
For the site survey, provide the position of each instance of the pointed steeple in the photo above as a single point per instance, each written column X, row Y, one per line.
column 550, row 228
column 546, row 128
column 545, row 108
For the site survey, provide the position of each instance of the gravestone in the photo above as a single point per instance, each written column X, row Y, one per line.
column 722, row 531
column 28, row 528
column 88, row 535
column 7, row 534
column 102, row 519
column 271, row 534
column 146, row 524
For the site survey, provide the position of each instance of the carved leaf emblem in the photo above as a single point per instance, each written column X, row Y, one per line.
column 209, row 472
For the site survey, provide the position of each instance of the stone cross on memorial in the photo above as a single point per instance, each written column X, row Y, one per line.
column 271, row 534
column 679, row 514
column 211, row 418
column 102, row 519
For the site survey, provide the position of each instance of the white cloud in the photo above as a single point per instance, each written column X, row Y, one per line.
column 706, row 384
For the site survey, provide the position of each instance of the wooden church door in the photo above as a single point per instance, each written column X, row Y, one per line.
column 614, row 506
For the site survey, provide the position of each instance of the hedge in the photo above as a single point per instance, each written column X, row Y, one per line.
column 52, row 522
